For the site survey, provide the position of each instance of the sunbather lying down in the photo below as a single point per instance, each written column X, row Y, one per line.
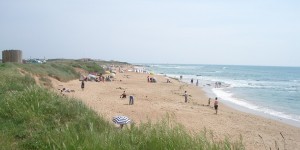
column 67, row 90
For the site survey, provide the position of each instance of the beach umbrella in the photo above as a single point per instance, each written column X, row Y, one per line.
column 121, row 120
column 113, row 74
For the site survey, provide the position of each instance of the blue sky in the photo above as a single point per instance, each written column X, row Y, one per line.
column 234, row 32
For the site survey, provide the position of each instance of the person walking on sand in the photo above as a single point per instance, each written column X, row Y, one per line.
column 131, row 100
column 82, row 85
column 216, row 105
column 185, row 97
column 208, row 102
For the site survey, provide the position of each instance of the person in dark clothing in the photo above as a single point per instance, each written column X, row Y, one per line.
column 216, row 104
column 82, row 85
column 123, row 95
column 131, row 100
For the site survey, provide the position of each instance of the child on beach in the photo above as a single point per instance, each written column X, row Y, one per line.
column 216, row 105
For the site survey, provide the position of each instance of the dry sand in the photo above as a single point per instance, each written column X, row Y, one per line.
column 154, row 100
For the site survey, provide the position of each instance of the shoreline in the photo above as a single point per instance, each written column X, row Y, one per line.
column 209, row 93
column 254, row 112
column 154, row 100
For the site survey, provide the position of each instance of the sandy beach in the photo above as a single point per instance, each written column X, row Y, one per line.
column 152, row 101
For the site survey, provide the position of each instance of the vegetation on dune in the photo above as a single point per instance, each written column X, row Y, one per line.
column 88, row 66
column 32, row 117
column 61, row 72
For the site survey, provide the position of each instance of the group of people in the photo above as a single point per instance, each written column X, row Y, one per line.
column 168, row 81
column 218, row 84
column 100, row 79
column 197, row 82
column 151, row 79
column 216, row 103
column 131, row 99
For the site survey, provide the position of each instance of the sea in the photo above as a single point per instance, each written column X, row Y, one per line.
column 272, row 92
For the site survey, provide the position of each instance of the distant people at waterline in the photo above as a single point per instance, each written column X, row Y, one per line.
column 181, row 77
column 197, row 83
column 218, row 84
column 192, row 81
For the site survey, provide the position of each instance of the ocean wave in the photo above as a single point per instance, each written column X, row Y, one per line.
column 297, row 81
column 161, row 66
column 280, row 86
column 227, row 96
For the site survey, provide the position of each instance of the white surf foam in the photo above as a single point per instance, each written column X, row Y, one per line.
column 227, row 96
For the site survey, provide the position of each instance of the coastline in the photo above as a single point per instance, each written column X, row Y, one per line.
column 209, row 90
column 154, row 100
column 210, row 93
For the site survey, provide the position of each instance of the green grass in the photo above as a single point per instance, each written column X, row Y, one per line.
column 45, row 81
column 59, row 71
column 11, row 80
column 32, row 117
column 90, row 66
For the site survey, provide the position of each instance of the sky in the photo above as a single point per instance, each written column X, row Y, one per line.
column 231, row 32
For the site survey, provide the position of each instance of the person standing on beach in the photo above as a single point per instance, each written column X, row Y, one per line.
column 82, row 85
column 208, row 102
column 185, row 97
column 216, row 104
column 192, row 81
column 130, row 100
column 197, row 83
column 180, row 77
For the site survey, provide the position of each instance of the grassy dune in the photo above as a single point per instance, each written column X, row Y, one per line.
column 31, row 117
